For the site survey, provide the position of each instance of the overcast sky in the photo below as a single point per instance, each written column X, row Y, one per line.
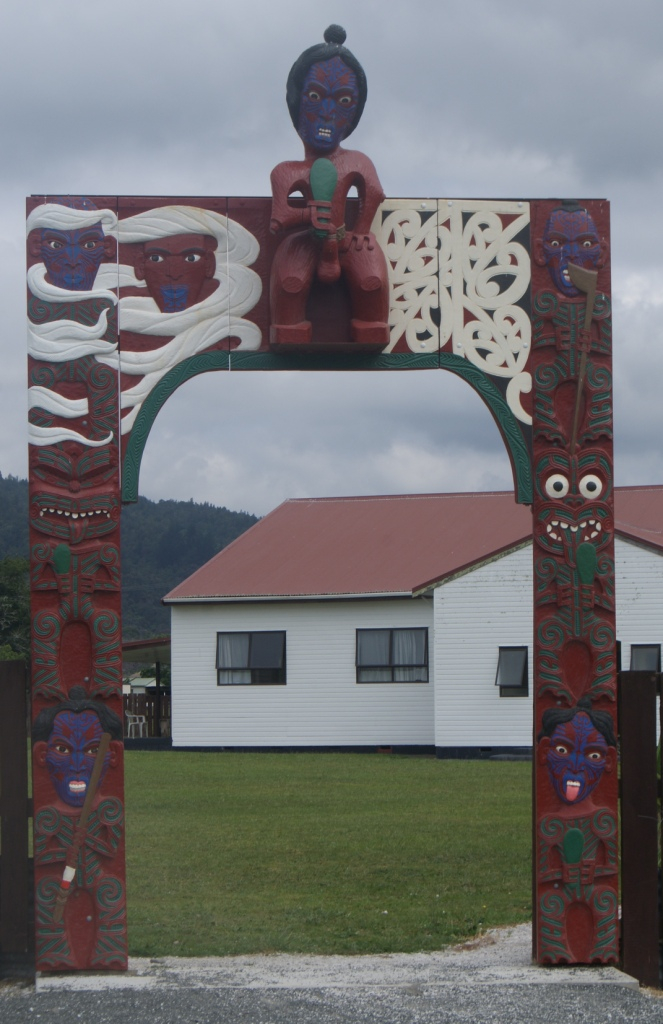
column 466, row 98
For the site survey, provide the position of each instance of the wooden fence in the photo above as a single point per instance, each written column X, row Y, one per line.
column 157, row 717
column 16, row 933
column 640, row 822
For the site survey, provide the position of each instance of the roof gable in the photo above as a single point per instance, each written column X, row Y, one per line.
column 392, row 544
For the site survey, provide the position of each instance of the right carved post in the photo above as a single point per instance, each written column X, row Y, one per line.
column 575, row 674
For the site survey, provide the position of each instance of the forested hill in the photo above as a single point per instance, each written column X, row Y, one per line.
column 163, row 542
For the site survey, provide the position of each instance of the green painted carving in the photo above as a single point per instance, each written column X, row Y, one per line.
column 85, row 312
column 512, row 432
column 578, row 857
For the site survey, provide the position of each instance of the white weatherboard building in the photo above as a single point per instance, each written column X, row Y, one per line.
column 398, row 621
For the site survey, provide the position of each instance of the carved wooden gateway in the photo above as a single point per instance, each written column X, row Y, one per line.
column 129, row 297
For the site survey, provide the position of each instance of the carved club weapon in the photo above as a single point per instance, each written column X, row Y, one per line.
column 81, row 829
column 585, row 281
column 323, row 179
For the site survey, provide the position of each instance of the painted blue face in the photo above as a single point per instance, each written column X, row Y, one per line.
column 71, row 750
column 329, row 105
column 570, row 237
column 576, row 758
column 72, row 258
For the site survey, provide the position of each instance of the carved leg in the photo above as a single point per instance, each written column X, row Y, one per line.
column 368, row 281
column 292, row 274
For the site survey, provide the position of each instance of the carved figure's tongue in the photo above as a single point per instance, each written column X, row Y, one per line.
column 77, row 524
column 572, row 789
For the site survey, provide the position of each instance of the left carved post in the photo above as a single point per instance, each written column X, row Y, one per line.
column 74, row 486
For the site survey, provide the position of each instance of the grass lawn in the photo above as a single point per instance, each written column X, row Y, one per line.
column 322, row 853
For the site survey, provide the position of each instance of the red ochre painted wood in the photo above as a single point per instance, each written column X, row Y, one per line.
column 75, row 580
column 574, row 591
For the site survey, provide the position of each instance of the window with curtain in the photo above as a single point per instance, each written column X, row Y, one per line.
column 512, row 672
column 392, row 655
column 645, row 657
column 250, row 659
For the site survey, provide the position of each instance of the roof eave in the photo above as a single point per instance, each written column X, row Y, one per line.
column 232, row 598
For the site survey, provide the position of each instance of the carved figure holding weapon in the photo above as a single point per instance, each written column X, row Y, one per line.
column 79, row 835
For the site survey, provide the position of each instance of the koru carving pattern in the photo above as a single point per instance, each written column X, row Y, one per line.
column 521, row 310
column 75, row 582
column 460, row 278
column 574, row 585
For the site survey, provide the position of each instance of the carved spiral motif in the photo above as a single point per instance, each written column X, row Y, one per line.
column 46, row 626
column 47, row 821
column 109, row 894
column 110, row 811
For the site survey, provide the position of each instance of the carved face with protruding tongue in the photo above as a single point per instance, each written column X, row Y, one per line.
column 74, row 519
column 576, row 757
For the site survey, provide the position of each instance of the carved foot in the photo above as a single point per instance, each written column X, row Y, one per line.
column 290, row 334
column 365, row 332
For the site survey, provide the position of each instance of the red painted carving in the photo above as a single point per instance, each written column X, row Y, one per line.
column 80, row 907
column 329, row 246
column 574, row 586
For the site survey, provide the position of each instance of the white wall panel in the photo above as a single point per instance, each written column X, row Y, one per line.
column 639, row 585
column 492, row 607
column 321, row 703
column 475, row 615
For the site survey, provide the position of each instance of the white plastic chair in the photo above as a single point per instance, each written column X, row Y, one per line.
column 137, row 723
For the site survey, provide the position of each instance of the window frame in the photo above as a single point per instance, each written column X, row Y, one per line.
column 258, row 674
column 522, row 689
column 643, row 647
column 391, row 667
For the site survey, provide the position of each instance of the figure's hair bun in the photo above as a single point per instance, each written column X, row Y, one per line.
column 335, row 34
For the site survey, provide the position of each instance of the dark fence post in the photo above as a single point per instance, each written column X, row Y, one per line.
column 639, row 826
column 14, row 813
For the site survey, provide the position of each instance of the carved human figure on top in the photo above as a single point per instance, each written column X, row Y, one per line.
column 326, row 93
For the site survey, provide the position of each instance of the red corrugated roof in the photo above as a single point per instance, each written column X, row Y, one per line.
column 393, row 544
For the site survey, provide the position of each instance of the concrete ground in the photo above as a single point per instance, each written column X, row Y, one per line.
column 491, row 981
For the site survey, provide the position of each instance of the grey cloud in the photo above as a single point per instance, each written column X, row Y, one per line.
column 509, row 99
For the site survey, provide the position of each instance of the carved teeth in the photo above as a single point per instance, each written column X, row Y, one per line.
column 564, row 526
column 555, row 522
column 574, row 529
column 554, row 536
column 593, row 534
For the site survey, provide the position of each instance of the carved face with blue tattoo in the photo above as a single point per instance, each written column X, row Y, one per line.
column 329, row 99
column 577, row 745
column 178, row 270
column 72, row 258
column 67, row 739
column 570, row 236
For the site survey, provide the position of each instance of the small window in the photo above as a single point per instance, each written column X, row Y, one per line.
column 392, row 655
column 250, row 659
column 512, row 672
column 645, row 657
